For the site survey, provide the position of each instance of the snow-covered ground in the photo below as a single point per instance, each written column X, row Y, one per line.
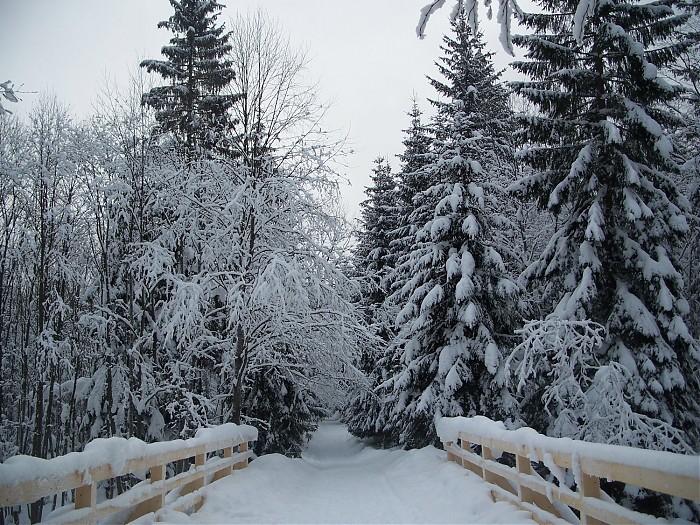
column 339, row 480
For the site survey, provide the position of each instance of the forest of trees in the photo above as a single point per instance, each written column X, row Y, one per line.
column 534, row 257
column 176, row 260
column 179, row 259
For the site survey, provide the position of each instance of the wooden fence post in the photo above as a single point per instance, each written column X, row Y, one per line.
column 157, row 474
column 590, row 489
column 228, row 453
column 524, row 466
column 243, row 447
column 199, row 461
column 450, row 455
column 86, row 497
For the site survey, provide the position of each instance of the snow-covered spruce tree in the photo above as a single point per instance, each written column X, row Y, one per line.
column 411, row 180
column 371, row 264
column 372, row 250
column 459, row 301
column 192, row 105
column 603, row 163
column 364, row 415
column 286, row 420
column 193, row 110
column 686, row 140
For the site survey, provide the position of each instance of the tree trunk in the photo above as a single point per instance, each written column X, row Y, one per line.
column 239, row 365
column 36, row 508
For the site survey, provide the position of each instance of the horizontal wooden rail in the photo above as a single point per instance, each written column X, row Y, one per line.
column 26, row 479
column 549, row 502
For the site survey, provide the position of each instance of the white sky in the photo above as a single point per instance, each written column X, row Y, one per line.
column 364, row 53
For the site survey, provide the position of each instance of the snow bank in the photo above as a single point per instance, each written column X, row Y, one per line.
column 673, row 464
column 225, row 432
column 113, row 451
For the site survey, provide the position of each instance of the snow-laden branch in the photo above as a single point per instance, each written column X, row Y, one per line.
column 588, row 400
column 507, row 9
column 8, row 92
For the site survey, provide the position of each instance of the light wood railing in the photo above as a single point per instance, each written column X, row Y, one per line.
column 213, row 454
column 567, row 460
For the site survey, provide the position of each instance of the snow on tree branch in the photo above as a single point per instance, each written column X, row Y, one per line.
column 9, row 93
column 425, row 15
column 587, row 400
column 506, row 10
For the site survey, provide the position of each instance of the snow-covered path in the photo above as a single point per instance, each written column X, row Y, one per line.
column 339, row 480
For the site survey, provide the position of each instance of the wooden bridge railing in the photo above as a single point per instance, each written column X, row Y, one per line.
column 552, row 502
column 26, row 479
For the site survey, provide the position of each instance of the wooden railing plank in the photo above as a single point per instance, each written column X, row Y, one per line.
column 32, row 490
column 672, row 474
column 144, row 498
column 654, row 479
column 651, row 478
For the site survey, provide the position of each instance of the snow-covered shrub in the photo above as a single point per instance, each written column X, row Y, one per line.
column 558, row 374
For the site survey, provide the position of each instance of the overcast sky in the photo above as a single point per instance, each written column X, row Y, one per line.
column 364, row 53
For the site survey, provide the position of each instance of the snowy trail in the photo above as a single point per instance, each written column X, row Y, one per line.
column 339, row 480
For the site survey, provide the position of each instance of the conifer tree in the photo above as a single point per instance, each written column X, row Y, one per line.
column 287, row 412
column 364, row 415
column 603, row 163
column 415, row 155
column 372, row 264
column 411, row 181
column 192, row 106
column 378, row 222
column 686, row 70
column 459, row 298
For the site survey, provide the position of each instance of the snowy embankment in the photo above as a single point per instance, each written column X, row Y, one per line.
column 339, row 480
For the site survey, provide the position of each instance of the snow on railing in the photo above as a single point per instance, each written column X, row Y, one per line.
column 26, row 479
column 549, row 502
